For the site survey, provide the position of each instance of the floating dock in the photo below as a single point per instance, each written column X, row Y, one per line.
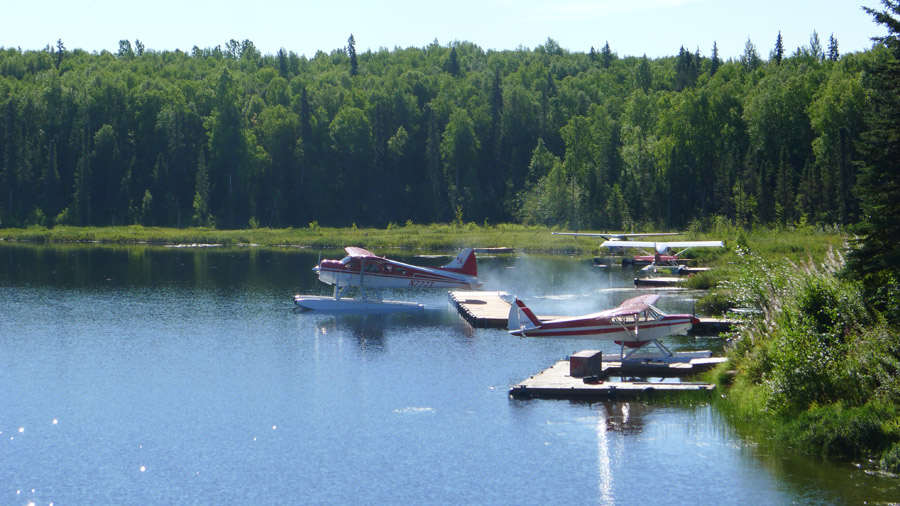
column 495, row 251
column 482, row 309
column 491, row 310
column 711, row 325
column 561, row 382
column 659, row 281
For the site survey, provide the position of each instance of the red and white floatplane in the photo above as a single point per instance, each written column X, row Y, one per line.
column 634, row 324
column 369, row 273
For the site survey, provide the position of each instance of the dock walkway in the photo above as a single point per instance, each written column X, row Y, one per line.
column 482, row 309
column 557, row 383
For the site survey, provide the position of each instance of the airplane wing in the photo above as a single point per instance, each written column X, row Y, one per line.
column 353, row 251
column 693, row 244
column 662, row 246
column 609, row 235
column 633, row 305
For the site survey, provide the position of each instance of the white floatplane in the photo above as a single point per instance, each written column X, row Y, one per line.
column 617, row 237
column 634, row 324
column 370, row 273
column 657, row 252
column 610, row 236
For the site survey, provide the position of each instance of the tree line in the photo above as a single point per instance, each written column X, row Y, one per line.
column 229, row 137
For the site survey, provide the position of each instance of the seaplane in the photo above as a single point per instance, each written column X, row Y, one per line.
column 657, row 252
column 370, row 273
column 634, row 324
column 615, row 236
column 611, row 236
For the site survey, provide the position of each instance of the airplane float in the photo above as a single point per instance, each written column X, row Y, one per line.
column 634, row 324
column 370, row 273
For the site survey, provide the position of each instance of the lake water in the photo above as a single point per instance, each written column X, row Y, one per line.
column 145, row 375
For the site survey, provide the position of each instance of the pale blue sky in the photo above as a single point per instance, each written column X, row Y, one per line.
column 652, row 27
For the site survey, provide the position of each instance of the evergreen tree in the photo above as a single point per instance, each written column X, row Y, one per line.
column 778, row 52
column 833, row 53
column 815, row 47
column 875, row 256
column 81, row 194
column 750, row 58
column 687, row 69
column 282, row 63
column 50, row 183
column 715, row 62
column 593, row 55
column 351, row 51
column 606, row 56
column 60, row 49
column 453, row 63
column 201, row 216
column 784, row 192
column 643, row 79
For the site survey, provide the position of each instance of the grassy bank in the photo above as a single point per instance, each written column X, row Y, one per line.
column 816, row 366
column 795, row 244
column 412, row 237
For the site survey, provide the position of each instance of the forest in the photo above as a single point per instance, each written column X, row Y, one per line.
column 231, row 138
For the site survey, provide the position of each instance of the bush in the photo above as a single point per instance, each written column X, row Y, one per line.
column 715, row 303
column 838, row 433
column 703, row 280
column 890, row 460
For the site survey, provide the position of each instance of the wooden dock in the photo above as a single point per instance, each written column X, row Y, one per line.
column 659, row 281
column 482, row 309
column 557, row 383
column 710, row 325
column 495, row 251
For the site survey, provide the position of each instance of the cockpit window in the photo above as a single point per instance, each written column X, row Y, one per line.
column 346, row 260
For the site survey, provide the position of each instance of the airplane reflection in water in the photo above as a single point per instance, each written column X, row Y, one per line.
column 370, row 329
column 626, row 418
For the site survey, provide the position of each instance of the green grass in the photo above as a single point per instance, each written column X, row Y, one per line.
column 412, row 237
column 796, row 245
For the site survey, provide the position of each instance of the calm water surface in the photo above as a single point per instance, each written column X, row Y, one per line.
column 140, row 375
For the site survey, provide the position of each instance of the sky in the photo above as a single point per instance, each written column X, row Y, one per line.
column 656, row 28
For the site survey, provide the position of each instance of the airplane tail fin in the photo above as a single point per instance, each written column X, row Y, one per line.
column 464, row 263
column 515, row 322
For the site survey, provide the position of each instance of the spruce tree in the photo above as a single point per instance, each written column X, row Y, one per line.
column 815, row 46
column 60, row 49
column 453, row 63
column 715, row 62
column 875, row 257
column 606, row 56
column 833, row 53
column 351, row 51
column 778, row 52
column 750, row 58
